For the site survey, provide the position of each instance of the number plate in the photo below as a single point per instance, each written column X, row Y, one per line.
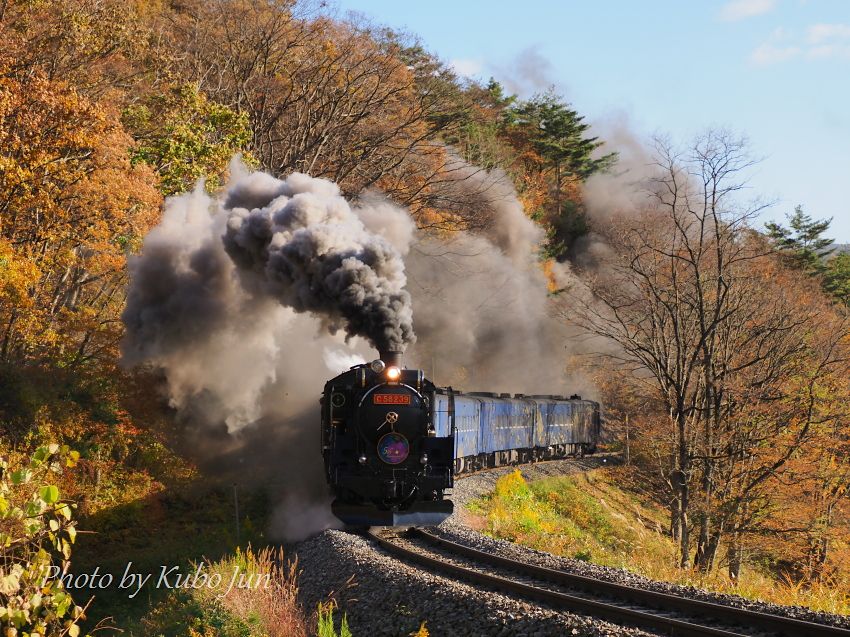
column 391, row 399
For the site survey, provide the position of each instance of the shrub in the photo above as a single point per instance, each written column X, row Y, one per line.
column 37, row 531
column 255, row 596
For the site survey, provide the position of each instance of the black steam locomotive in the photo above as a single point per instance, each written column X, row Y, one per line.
column 392, row 441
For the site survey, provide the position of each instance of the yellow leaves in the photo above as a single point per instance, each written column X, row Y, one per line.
column 186, row 137
column 512, row 486
column 16, row 277
column 329, row 48
column 422, row 632
column 66, row 190
column 549, row 273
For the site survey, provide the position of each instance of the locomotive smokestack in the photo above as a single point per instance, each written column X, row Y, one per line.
column 391, row 359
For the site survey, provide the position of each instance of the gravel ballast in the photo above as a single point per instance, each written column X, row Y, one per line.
column 383, row 596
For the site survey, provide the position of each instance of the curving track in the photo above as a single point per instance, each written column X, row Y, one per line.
column 664, row 613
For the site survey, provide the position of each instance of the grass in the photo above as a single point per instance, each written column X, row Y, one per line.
column 179, row 527
column 255, row 596
column 592, row 517
column 188, row 527
column 325, row 622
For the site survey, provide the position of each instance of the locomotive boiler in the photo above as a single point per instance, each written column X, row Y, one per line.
column 393, row 441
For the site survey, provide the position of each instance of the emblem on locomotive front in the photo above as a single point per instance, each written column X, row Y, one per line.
column 393, row 448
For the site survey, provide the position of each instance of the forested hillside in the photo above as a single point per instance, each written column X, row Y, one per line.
column 725, row 347
column 109, row 107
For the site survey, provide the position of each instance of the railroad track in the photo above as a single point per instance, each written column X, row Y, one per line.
column 661, row 612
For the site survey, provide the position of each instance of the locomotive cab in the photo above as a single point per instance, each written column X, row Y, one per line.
column 384, row 462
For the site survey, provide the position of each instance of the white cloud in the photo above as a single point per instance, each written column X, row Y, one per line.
column 779, row 34
column 771, row 54
column 821, row 42
column 742, row 9
column 819, row 33
column 466, row 67
column 829, row 51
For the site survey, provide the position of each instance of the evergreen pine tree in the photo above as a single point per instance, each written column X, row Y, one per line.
column 802, row 244
column 836, row 279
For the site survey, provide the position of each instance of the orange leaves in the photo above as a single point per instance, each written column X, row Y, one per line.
column 16, row 277
column 70, row 205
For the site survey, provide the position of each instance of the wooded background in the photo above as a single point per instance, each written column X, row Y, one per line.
column 726, row 345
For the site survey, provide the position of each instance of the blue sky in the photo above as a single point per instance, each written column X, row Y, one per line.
column 777, row 71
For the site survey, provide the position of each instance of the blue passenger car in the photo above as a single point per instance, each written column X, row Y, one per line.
column 497, row 429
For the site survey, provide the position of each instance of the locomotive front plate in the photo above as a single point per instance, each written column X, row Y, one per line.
column 390, row 399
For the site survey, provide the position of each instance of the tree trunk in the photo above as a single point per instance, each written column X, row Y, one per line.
column 681, row 481
column 557, row 189
column 684, row 534
column 819, row 549
column 711, row 550
column 7, row 336
column 675, row 517
column 679, row 521
column 735, row 558
column 627, row 457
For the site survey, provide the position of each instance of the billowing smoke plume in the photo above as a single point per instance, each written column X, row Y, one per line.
column 498, row 216
column 608, row 196
column 237, row 302
column 249, row 302
column 481, row 304
column 528, row 73
column 303, row 245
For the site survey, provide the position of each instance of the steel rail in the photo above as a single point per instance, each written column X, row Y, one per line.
column 619, row 614
column 653, row 599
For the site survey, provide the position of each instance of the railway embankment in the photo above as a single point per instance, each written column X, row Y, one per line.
column 384, row 595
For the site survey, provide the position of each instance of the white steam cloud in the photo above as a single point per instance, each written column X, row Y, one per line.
column 248, row 303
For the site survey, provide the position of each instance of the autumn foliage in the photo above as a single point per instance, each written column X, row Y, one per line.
column 725, row 362
column 730, row 371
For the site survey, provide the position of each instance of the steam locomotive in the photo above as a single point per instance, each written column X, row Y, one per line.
column 392, row 441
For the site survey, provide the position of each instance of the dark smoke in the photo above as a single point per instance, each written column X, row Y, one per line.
column 484, row 317
column 305, row 247
column 237, row 302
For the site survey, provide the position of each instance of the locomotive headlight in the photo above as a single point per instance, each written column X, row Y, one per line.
column 362, row 459
column 424, row 458
column 377, row 365
column 393, row 373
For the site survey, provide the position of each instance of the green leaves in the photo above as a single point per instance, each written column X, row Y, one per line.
column 21, row 476
column 558, row 134
column 836, row 279
column 186, row 137
column 35, row 543
column 62, row 602
column 50, row 494
column 802, row 246
column 10, row 582
column 40, row 456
